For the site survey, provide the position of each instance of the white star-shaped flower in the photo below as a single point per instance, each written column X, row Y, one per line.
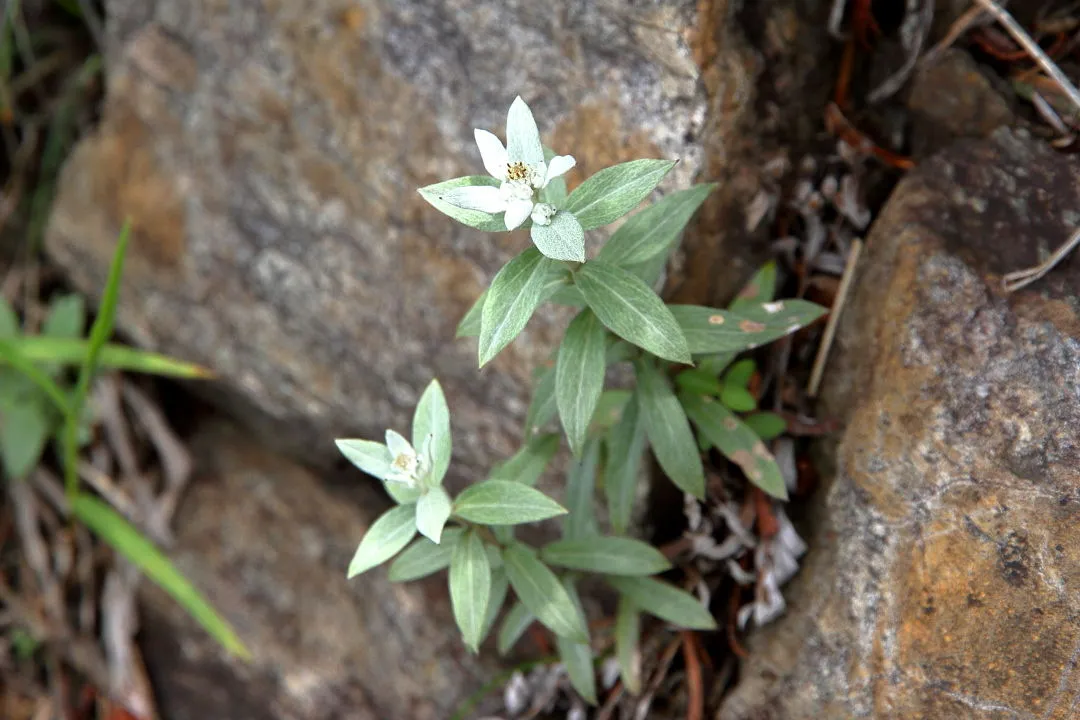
column 520, row 169
column 407, row 467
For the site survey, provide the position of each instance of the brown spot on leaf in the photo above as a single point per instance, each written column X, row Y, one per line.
column 731, row 424
column 751, row 326
column 716, row 319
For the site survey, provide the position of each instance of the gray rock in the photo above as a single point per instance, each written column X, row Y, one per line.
column 267, row 542
column 944, row 564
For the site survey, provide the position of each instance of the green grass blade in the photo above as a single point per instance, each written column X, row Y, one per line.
column 111, row 527
column 73, row 351
column 10, row 353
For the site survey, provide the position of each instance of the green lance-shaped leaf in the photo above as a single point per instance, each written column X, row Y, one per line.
column 541, row 592
column 432, row 417
column 579, row 376
column 625, row 446
column 609, row 410
column 432, row 512
column 738, row 399
column 577, row 657
column 111, row 527
column 72, row 351
column 654, row 230
column 737, row 442
column 384, row 539
column 542, row 407
column 767, row 425
column 500, row 586
column 669, row 431
column 372, row 457
column 517, row 621
column 424, row 557
column 436, row 193
column 760, row 289
column 470, row 324
column 24, row 429
column 511, row 300
column 627, row 634
column 504, row 502
column 580, row 521
column 610, row 555
column 614, row 191
column 631, row 310
column 709, row 330
column 561, row 239
column 665, row 601
column 528, row 464
column 470, row 587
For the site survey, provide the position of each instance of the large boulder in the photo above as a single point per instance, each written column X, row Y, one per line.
column 269, row 153
column 943, row 575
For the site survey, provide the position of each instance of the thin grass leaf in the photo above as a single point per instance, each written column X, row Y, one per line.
column 73, row 351
column 9, row 353
column 111, row 527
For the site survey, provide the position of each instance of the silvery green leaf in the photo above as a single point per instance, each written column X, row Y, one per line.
column 384, row 539
column 669, row 431
column 487, row 222
column 580, row 521
column 737, row 442
column 606, row 555
column 528, row 464
column 424, row 557
column 504, row 502
column 561, row 239
column 542, row 407
column 766, row 425
column 470, row 587
column 611, row 193
column 625, row 446
column 9, row 321
column 522, row 136
column 432, row 417
column 556, row 284
column 432, row 512
column 541, row 592
column 654, row 230
column 709, row 330
column 577, row 657
column 24, row 429
column 631, row 310
column 514, row 625
column 608, row 410
column 66, row 318
column 511, row 301
column 760, row 289
column 568, row 295
column 627, row 633
column 402, row 494
column 371, row 457
column 665, row 601
column 470, row 324
column 620, row 351
column 579, row 376
column 500, row 586
column 650, row 271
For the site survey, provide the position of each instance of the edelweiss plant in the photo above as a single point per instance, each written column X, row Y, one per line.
column 620, row 320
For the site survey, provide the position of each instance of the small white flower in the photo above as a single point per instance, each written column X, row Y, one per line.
column 520, row 168
column 407, row 466
column 542, row 213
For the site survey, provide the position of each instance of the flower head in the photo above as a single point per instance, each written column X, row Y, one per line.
column 519, row 167
column 407, row 466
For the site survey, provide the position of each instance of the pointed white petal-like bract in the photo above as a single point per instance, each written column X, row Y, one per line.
column 478, row 197
column 522, row 136
column 559, row 165
column 492, row 153
column 517, row 211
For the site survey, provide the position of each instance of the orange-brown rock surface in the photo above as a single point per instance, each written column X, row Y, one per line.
column 943, row 579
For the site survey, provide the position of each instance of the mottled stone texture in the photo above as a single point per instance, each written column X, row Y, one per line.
column 945, row 564
column 267, row 541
